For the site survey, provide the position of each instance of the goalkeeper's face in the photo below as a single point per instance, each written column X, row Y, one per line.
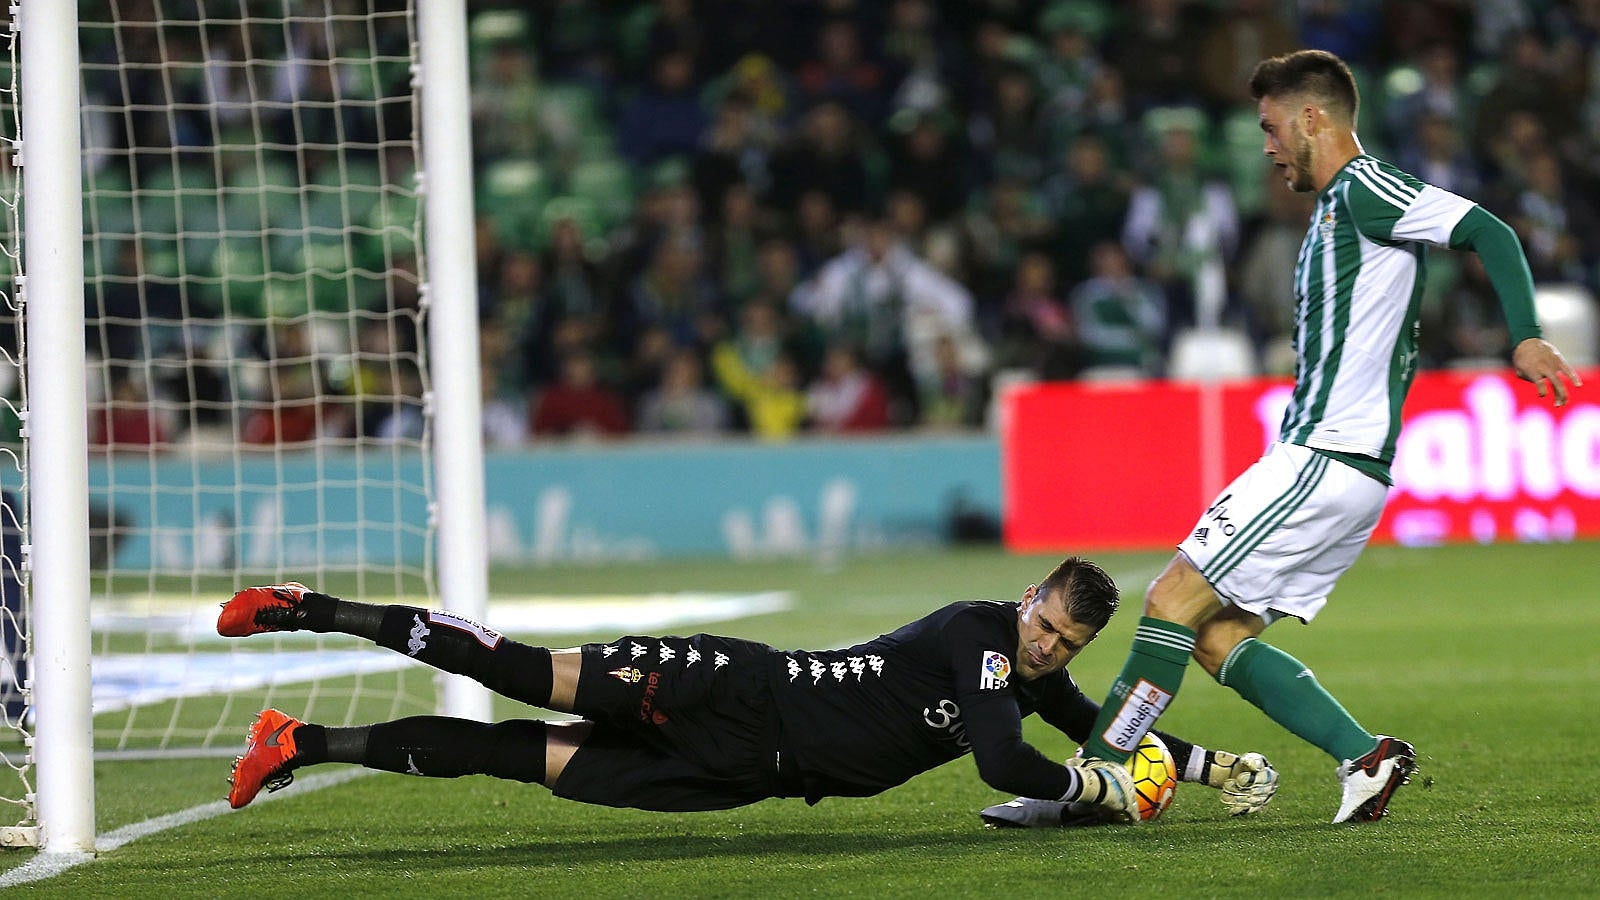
column 1047, row 635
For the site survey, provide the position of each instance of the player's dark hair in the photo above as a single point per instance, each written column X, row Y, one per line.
column 1089, row 593
column 1312, row 73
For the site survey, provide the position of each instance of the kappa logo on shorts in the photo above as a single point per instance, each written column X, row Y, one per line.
column 627, row 674
column 718, row 660
column 996, row 669
column 419, row 637
column 692, row 655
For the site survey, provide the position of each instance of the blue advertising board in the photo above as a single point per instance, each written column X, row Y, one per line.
column 550, row 504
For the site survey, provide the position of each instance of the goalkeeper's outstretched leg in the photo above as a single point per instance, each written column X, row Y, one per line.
column 525, row 750
column 533, row 675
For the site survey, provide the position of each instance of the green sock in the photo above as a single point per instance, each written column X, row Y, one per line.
column 1149, row 680
column 1283, row 688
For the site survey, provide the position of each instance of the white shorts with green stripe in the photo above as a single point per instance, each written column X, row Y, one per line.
column 1276, row 540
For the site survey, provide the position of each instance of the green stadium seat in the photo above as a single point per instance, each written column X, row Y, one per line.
column 512, row 192
column 607, row 184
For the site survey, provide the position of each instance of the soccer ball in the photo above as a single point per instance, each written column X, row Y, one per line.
column 1155, row 777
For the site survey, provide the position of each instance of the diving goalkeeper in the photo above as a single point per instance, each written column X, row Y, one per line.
column 707, row 722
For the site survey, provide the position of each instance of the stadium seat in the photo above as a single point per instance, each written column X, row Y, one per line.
column 1201, row 354
column 1570, row 317
column 608, row 185
column 512, row 192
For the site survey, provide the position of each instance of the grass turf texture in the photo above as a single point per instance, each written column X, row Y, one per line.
column 1472, row 653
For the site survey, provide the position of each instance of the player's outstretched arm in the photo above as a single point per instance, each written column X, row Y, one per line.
column 1537, row 360
column 1534, row 359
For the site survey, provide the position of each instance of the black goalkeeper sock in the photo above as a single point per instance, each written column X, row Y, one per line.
column 325, row 613
column 462, row 647
column 320, row 743
column 441, row 747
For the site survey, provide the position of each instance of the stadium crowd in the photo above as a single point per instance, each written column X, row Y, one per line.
column 827, row 216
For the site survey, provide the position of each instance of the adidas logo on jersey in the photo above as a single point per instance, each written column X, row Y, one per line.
column 1201, row 533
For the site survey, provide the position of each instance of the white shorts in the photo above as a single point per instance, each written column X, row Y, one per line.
column 1276, row 540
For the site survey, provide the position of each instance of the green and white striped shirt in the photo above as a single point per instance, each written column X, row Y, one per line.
column 1358, row 289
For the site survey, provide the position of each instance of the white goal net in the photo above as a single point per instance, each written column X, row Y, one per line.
column 259, row 405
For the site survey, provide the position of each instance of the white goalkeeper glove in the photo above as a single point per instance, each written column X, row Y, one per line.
column 1247, row 782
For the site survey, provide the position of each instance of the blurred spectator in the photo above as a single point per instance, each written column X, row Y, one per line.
column 572, row 308
column 761, row 83
column 1011, row 224
column 1089, row 201
column 927, row 159
column 754, row 369
column 505, row 408
column 1070, row 65
column 573, row 38
column 673, row 293
column 1036, row 329
column 507, row 119
column 1409, row 29
column 665, row 118
column 517, row 313
column 1558, row 227
column 1354, row 29
column 1508, row 152
column 1121, row 318
column 1468, row 324
column 1006, row 132
column 577, row 404
column 119, row 309
column 1433, row 89
column 818, row 231
column 675, row 27
column 840, row 71
column 297, row 405
column 920, row 54
column 387, row 386
column 734, row 242
column 846, row 398
column 1525, row 83
column 1437, row 156
column 826, row 155
column 1242, row 33
column 1182, row 226
column 733, row 152
column 1265, row 276
column 950, row 396
column 681, row 403
column 881, row 300
column 1156, row 52
column 129, row 421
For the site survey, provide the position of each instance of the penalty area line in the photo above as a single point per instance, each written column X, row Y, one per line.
column 49, row 865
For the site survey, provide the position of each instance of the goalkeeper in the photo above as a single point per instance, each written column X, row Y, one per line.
column 706, row 722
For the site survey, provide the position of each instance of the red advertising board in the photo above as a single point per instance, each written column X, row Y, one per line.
column 1481, row 458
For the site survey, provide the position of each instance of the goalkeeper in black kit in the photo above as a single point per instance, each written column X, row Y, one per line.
column 706, row 722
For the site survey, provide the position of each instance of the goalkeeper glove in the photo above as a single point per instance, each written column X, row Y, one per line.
column 1247, row 782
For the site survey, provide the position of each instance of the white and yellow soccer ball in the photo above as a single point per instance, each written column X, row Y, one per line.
column 1155, row 777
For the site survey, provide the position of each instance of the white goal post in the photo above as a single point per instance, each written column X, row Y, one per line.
column 172, row 530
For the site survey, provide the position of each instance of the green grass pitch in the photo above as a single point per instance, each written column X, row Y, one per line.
column 1481, row 656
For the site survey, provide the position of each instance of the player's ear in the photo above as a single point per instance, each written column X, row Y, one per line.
column 1029, row 594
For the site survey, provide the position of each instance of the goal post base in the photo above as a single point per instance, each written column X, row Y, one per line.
column 19, row 837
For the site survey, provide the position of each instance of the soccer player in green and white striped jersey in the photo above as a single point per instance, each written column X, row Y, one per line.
column 1275, row 541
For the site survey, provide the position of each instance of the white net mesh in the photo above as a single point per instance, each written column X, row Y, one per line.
column 256, row 374
column 16, row 777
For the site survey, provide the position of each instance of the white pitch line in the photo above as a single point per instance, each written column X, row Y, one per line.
column 49, row 865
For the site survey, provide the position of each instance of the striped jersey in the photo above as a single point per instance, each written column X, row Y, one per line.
column 1358, row 288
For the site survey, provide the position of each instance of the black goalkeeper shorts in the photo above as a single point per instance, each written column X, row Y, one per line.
column 681, row 724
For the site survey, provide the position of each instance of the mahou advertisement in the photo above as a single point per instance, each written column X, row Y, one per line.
column 1481, row 458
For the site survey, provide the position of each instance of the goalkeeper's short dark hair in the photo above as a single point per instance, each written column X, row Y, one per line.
column 1088, row 592
column 1317, row 74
